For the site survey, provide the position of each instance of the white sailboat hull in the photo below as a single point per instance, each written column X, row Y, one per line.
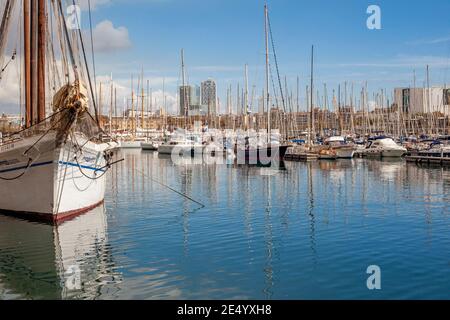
column 186, row 150
column 56, row 184
column 344, row 153
column 394, row 153
column 130, row 144
column 166, row 149
column 149, row 146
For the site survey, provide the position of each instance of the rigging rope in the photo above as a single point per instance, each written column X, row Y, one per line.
column 34, row 125
column 106, row 156
column 171, row 189
column 30, row 161
column 276, row 62
column 66, row 33
column 6, row 65
column 87, row 68
column 5, row 24
column 92, row 53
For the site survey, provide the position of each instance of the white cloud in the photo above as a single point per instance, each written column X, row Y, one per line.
column 9, row 92
column 123, row 87
column 444, row 39
column 107, row 38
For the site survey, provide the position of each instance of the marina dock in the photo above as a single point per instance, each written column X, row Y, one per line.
column 418, row 159
column 301, row 157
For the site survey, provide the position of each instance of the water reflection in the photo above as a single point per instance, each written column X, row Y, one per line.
column 300, row 231
column 40, row 261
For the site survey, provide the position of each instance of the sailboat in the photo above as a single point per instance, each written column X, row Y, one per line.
column 271, row 149
column 182, row 142
column 54, row 169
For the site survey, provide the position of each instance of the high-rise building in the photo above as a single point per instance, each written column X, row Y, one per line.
column 189, row 98
column 185, row 98
column 195, row 96
column 209, row 96
column 185, row 93
column 423, row 100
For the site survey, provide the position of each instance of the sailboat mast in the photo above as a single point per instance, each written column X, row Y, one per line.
column 27, row 64
column 246, row 99
column 148, row 105
column 429, row 101
column 246, row 90
column 42, row 30
column 142, row 100
column 111, row 104
column 33, row 60
column 185, row 96
column 298, row 95
column 115, row 109
column 267, row 93
column 132, row 106
column 311, row 129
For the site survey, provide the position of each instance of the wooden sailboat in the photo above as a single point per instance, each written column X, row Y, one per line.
column 54, row 169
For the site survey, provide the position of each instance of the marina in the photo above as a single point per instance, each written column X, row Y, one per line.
column 199, row 172
column 305, row 231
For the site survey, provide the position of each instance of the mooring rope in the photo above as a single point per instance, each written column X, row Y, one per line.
column 172, row 189
column 30, row 161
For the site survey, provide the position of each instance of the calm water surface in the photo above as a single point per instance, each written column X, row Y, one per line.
column 308, row 231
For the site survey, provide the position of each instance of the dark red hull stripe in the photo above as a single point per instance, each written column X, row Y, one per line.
column 50, row 218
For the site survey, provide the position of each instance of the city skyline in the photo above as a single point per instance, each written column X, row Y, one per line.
column 217, row 47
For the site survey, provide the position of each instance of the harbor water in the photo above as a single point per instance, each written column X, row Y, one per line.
column 301, row 231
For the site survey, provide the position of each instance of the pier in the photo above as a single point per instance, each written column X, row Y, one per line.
column 423, row 159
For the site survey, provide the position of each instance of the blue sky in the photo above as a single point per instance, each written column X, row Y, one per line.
column 220, row 36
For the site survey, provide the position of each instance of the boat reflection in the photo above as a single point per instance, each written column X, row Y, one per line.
column 69, row 261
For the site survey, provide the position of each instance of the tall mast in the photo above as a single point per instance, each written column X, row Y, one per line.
column 246, row 90
column 132, row 105
column 115, row 108
column 148, row 104
column 298, row 95
column 429, row 100
column 238, row 100
column 33, row 61
column 142, row 98
column 100, row 102
column 267, row 93
column 164, row 96
column 42, row 30
column 111, row 104
column 183, row 76
column 27, row 66
column 312, row 95
column 246, row 99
